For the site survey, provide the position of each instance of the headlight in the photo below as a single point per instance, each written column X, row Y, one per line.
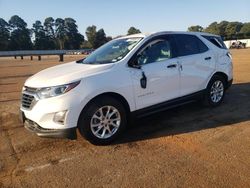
column 48, row 92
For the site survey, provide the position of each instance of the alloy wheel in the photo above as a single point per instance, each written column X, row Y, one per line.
column 217, row 91
column 105, row 122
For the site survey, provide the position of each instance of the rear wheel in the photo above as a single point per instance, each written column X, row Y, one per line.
column 102, row 121
column 215, row 91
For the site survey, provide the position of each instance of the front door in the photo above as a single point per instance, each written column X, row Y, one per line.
column 160, row 70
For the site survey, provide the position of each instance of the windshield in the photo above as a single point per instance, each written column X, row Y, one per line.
column 112, row 51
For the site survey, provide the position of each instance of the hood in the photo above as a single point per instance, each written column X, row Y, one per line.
column 65, row 73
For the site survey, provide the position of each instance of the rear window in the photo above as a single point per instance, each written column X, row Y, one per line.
column 189, row 45
column 217, row 41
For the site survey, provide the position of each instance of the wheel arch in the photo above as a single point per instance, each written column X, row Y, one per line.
column 221, row 74
column 114, row 95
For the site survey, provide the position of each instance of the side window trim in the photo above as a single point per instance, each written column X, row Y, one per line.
column 218, row 42
column 150, row 43
column 171, row 39
column 217, row 39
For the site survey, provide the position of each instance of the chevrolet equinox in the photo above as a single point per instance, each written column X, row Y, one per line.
column 130, row 76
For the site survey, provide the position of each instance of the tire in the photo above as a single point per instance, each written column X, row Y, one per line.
column 215, row 91
column 102, row 121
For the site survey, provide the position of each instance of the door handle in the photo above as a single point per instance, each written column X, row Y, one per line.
column 208, row 58
column 172, row 66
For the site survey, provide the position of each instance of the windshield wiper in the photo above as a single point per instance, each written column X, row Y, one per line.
column 93, row 62
column 80, row 60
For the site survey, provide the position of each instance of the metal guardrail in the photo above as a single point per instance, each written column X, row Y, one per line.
column 40, row 53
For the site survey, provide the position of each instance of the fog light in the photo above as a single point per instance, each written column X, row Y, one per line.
column 59, row 117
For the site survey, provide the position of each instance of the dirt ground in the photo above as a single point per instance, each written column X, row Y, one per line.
column 190, row 146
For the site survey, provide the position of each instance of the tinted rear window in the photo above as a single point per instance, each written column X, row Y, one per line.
column 189, row 45
column 202, row 46
column 217, row 41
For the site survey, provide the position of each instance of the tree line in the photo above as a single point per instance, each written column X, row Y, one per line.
column 52, row 34
column 228, row 30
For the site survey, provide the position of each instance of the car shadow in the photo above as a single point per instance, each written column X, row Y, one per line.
column 192, row 117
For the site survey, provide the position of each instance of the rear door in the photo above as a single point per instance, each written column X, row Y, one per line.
column 196, row 61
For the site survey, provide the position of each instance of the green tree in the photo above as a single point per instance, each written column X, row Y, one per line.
column 228, row 30
column 100, row 38
column 91, row 35
column 196, row 28
column 60, row 33
column 20, row 34
column 213, row 28
column 133, row 30
column 245, row 28
column 4, row 35
column 49, row 28
column 74, row 38
column 222, row 28
column 85, row 44
column 40, row 42
column 233, row 28
column 95, row 38
column 17, row 23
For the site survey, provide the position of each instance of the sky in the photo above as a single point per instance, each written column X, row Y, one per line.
column 116, row 16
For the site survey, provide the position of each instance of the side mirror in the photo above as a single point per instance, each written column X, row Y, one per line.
column 134, row 62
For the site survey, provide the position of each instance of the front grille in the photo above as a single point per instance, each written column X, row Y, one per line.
column 27, row 101
column 28, row 97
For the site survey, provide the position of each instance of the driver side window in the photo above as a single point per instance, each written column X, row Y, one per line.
column 156, row 51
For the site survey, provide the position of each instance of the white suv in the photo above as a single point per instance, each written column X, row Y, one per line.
column 130, row 76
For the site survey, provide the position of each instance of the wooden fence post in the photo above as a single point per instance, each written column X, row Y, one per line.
column 61, row 57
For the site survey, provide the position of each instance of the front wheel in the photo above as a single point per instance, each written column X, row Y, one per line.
column 215, row 91
column 102, row 121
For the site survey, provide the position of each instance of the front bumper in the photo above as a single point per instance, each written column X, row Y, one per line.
column 30, row 125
